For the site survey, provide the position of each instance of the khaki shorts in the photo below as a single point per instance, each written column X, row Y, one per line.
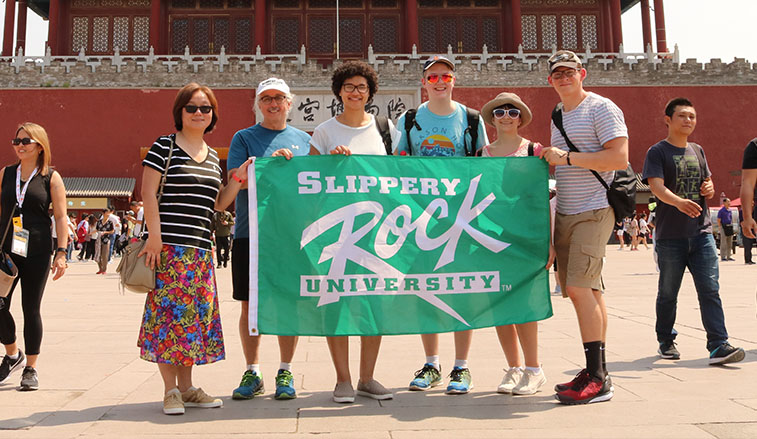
column 580, row 242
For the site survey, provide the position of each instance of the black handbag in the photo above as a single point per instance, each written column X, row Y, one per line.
column 621, row 192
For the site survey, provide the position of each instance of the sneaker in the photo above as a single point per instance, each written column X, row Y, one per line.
column 285, row 385
column 530, row 383
column 668, row 350
column 565, row 386
column 725, row 353
column 588, row 390
column 460, row 381
column 8, row 366
column 510, row 380
column 250, row 386
column 429, row 376
column 172, row 403
column 343, row 392
column 373, row 389
column 29, row 380
column 196, row 397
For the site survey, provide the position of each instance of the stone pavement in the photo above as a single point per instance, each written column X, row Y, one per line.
column 94, row 385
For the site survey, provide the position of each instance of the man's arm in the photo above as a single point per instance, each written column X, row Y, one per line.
column 688, row 207
column 613, row 157
column 748, row 182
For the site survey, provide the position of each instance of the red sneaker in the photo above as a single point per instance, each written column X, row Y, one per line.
column 580, row 377
column 586, row 392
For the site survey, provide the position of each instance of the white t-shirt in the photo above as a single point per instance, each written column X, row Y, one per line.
column 362, row 140
column 116, row 223
column 138, row 227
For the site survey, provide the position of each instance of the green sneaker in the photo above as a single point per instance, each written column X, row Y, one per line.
column 285, row 385
column 460, row 381
column 426, row 378
column 251, row 386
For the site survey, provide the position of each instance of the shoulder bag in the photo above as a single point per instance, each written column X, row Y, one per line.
column 8, row 270
column 134, row 274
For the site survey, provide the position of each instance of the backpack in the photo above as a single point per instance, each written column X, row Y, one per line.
column 621, row 192
column 81, row 232
column 382, row 125
column 471, row 115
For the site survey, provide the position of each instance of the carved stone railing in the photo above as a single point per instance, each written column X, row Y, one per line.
column 401, row 70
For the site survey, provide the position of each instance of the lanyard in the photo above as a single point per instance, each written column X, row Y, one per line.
column 21, row 192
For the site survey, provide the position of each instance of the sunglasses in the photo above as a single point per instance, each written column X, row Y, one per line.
column 499, row 113
column 24, row 141
column 192, row 109
column 434, row 78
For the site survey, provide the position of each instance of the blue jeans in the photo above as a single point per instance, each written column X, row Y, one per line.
column 700, row 255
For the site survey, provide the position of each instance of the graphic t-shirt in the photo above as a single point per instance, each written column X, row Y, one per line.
column 683, row 175
column 439, row 135
column 257, row 141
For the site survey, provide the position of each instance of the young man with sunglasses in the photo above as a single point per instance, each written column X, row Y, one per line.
column 679, row 177
column 270, row 137
column 441, row 127
column 584, row 218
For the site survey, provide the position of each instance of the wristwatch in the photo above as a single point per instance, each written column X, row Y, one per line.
column 61, row 249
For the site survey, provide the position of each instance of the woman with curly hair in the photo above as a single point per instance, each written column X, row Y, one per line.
column 181, row 325
column 354, row 84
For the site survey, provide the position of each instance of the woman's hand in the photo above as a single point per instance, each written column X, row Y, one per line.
column 552, row 256
column 152, row 251
column 59, row 265
column 341, row 149
column 283, row 152
column 241, row 171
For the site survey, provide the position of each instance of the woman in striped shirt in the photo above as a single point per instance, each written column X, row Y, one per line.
column 181, row 326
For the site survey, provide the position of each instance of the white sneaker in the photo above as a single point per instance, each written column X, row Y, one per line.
column 530, row 382
column 510, row 380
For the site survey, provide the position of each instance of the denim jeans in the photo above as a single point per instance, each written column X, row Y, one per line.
column 700, row 255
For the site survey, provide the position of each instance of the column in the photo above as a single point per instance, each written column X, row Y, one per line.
column 52, row 28
column 646, row 27
column 155, row 26
column 21, row 34
column 607, row 43
column 516, row 24
column 617, row 28
column 659, row 21
column 411, row 25
column 10, row 14
column 261, row 30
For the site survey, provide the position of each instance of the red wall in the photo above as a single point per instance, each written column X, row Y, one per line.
column 99, row 132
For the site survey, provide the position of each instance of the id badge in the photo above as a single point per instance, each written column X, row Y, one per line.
column 17, row 223
column 20, row 244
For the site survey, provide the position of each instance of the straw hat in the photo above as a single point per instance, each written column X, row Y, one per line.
column 506, row 98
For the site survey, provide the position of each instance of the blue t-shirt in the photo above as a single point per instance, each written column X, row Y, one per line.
column 258, row 141
column 439, row 135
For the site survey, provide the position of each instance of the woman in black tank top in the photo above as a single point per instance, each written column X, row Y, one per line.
column 26, row 191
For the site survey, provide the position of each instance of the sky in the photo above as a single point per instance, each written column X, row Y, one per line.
column 703, row 29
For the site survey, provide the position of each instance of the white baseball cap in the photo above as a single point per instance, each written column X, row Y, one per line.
column 273, row 84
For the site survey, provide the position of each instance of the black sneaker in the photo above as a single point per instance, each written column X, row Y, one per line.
column 668, row 350
column 29, row 379
column 8, row 366
column 725, row 353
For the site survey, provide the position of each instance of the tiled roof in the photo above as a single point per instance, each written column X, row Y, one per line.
column 99, row 187
column 641, row 187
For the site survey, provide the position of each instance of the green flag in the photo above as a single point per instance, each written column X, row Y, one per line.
column 372, row 245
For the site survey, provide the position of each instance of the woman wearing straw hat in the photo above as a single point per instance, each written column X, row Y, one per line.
column 507, row 113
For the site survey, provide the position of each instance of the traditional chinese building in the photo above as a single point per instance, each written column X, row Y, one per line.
column 284, row 26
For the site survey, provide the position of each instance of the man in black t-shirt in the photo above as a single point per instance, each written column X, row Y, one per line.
column 748, row 182
column 678, row 175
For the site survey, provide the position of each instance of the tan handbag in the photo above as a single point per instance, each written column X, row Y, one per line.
column 134, row 275
column 8, row 270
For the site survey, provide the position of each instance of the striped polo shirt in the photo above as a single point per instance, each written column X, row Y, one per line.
column 596, row 121
column 189, row 195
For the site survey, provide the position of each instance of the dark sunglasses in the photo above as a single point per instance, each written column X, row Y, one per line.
column 499, row 113
column 24, row 141
column 192, row 109
column 434, row 78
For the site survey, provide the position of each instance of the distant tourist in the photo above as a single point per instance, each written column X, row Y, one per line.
column 748, row 205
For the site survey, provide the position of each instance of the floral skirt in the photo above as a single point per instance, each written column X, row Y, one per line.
column 181, row 324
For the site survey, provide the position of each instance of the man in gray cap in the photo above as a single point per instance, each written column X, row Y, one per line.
column 584, row 218
column 441, row 127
